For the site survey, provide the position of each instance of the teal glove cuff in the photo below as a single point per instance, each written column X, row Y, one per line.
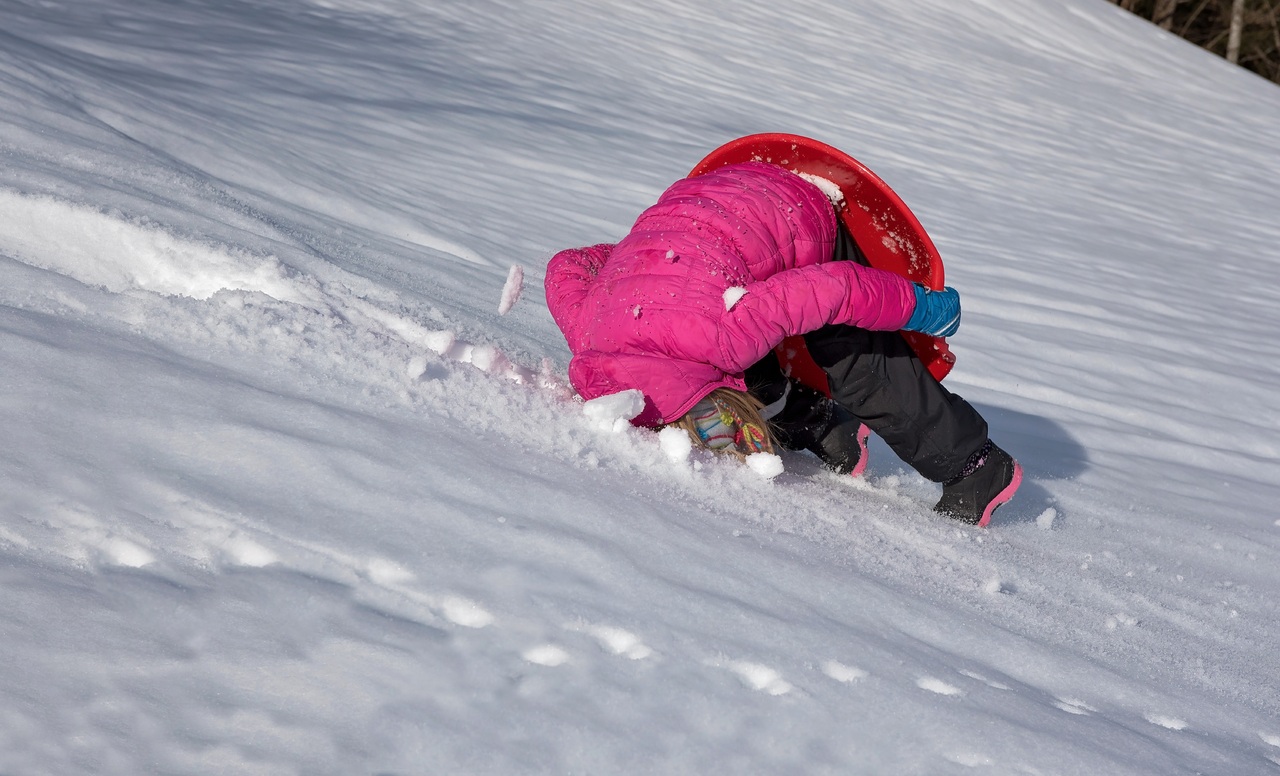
column 937, row 313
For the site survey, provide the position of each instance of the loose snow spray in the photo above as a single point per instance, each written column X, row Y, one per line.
column 1045, row 519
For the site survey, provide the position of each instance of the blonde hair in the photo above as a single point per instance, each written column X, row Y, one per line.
column 745, row 411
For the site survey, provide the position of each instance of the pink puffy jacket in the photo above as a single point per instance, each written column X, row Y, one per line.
column 662, row 310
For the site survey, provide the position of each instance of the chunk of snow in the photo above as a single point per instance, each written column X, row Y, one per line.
column 485, row 357
column 511, row 289
column 416, row 368
column 732, row 295
column 675, row 442
column 767, row 465
column 1045, row 519
column 612, row 412
column 830, row 188
column 440, row 341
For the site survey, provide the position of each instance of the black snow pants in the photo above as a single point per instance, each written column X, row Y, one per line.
column 877, row 378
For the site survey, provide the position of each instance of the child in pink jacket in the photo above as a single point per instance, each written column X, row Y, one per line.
column 688, row 307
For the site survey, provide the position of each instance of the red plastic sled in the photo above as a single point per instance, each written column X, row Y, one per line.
column 885, row 229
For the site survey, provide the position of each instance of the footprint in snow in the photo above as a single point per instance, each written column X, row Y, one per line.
column 546, row 655
column 984, row 680
column 387, row 573
column 758, row 677
column 1073, row 706
column 240, row 550
column 122, row 552
column 616, row 641
column 970, row 759
column 938, row 686
column 392, row 576
column 843, row 673
column 1172, row 723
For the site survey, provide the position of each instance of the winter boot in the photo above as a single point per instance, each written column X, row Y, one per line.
column 811, row 421
column 843, row 446
column 988, row 480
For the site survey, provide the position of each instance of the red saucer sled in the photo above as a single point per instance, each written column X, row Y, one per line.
column 881, row 224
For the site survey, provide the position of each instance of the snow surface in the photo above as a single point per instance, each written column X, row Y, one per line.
column 282, row 493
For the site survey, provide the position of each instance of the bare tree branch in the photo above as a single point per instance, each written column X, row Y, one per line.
column 1237, row 28
column 1162, row 16
column 1182, row 33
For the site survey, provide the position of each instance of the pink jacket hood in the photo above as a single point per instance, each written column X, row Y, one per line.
column 710, row 279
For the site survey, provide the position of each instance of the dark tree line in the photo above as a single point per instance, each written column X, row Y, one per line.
column 1246, row 32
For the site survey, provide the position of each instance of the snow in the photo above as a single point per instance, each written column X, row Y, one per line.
column 758, row 677
column 547, row 655
column 675, row 442
column 767, row 465
column 830, row 188
column 731, row 296
column 512, row 289
column 934, row 685
column 613, row 412
column 841, row 672
column 1172, row 723
column 284, row 493
column 1045, row 519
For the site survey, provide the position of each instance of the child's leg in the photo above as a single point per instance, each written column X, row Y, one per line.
column 880, row 381
column 800, row 416
column 804, row 419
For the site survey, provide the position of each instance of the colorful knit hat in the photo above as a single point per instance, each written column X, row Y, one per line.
column 719, row 426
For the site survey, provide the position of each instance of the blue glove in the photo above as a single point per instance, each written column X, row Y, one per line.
column 937, row 312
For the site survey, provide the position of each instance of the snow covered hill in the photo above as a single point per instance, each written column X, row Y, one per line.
column 282, row 492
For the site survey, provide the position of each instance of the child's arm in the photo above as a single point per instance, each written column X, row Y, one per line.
column 570, row 275
column 799, row 301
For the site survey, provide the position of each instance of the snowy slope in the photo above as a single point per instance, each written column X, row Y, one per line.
column 283, row 493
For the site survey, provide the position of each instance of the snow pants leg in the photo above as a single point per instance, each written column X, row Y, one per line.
column 879, row 379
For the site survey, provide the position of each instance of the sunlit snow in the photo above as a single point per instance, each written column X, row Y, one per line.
column 294, row 481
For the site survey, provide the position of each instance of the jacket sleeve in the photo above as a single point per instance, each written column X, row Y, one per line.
column 570, row 275
column 799, row 301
